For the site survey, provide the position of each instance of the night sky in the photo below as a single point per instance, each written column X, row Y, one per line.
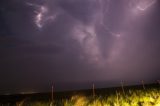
column 74, row 43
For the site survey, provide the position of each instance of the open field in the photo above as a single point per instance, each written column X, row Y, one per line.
column 132, row 96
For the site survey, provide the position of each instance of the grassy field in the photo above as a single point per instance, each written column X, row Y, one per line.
column 132, row 96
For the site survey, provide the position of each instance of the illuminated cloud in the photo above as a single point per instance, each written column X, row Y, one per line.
column 43, row 14
column 139, row 6
column 40, row 15
column 87, row 38
column 87, row 34
column 145, row 4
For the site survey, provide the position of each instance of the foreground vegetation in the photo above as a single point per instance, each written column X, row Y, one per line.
column 131, row 97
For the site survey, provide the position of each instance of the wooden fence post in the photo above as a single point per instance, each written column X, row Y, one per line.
column 122, row 87
column 93, row 89
column 143, row 85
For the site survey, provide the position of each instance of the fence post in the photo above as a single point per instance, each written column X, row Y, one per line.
column 93, row 89
column 51, row 97
column 143, row 85
column 122, row 87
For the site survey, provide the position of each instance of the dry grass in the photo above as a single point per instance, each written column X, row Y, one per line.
column 148, row 97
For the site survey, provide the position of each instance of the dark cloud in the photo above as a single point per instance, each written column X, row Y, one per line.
column 77, row 42
column 80, row 9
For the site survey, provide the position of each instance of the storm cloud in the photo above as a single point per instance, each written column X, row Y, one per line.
column 78, row 41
